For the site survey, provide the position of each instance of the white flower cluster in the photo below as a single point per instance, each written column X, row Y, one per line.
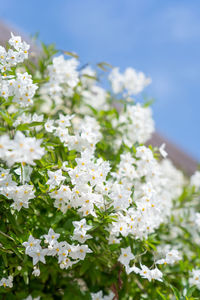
column 20, row 194
column 19, row 87
column 28, row 118
column 80, row 231
column 150, row 274
column 55, row 178
column 135, row 124
column 125, row 258
column 138, row 192
column 88, row 178
column 12, row 57
column 194, row 279
column 62, row 71
column 67, row 254
column 131, row 81
column 152, row 198
column 95, row 97
column 21, row 149
column 86, row 132
column 7, row 282
column 171, row 257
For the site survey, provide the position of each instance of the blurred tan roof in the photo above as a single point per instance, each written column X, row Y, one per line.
column 182, row 160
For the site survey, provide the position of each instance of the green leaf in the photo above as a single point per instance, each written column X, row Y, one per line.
column 73, row 54
column 104, row 66
column 160, row 294
column 190, row 291
column 175, row 291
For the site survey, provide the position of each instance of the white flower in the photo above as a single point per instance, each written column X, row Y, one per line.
column 135, row 82
column 49, row 126
column 97, row 296
column 36, row 272
column 63, row 252
column 126, row 256
column 195, row 278
column 64, row 121
column 32, row 244
column 132, row 269
column 81, row 226
column 15, row 41
column 55, row 178
column 79, row 252
column 81, row 237
column 7, row 282
column 38, row 254
column 171, row 257
column 51, row 237
column 21, row 195
column 156, row 274
column 162, row 151
column 6, row 179
column 22, row 149
column 145, row 272
column 66, row 263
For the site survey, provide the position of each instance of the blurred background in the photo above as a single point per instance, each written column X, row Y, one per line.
column 160, row 38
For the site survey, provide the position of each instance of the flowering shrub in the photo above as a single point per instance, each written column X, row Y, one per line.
column 87, row 210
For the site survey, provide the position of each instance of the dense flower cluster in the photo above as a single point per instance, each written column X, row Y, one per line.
column 62, row 72
column 15, row 55
column 21, row 149
column 20, row 86
column 67, row 254
column 136, row 124
column 131, row 81
column 81, row 194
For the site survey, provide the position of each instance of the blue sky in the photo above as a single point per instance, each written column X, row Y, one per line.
column 161, row 38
